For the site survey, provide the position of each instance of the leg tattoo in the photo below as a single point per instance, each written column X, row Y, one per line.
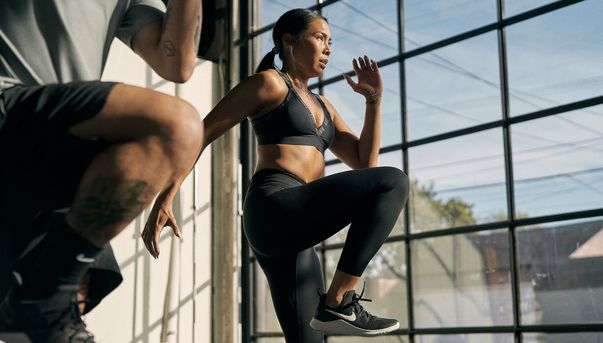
column 110, row 201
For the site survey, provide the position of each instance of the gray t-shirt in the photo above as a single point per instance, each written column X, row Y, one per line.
column 55, row 41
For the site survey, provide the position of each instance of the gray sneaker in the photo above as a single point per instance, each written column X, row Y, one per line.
column 350, row 318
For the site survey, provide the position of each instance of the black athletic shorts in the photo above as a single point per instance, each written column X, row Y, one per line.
column 42, row 163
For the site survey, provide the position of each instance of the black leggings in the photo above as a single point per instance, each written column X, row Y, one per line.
column 284, row 218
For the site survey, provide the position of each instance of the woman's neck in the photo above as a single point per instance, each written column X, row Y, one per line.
column 298, row 80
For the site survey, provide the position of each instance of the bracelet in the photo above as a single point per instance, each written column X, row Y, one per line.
column 373, row 98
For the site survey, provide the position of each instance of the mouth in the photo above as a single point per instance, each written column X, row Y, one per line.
column 323, row 62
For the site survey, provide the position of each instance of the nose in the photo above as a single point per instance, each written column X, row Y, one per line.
column 327, row 50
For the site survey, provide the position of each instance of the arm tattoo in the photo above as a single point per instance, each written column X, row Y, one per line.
column 169, row 48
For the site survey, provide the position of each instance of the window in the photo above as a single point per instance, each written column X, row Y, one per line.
column 494, row 108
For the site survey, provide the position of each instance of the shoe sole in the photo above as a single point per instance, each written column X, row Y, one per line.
column 342, row 327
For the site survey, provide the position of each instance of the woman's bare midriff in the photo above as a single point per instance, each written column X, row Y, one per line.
column 305, row 162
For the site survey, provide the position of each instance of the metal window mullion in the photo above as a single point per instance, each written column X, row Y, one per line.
column 323, row 252
column 248, row 312
column 405, row 166
column 510, row 191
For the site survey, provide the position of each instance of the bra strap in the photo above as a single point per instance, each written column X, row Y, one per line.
column 286, row 78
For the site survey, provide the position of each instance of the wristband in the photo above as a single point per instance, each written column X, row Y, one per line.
column 372, row 99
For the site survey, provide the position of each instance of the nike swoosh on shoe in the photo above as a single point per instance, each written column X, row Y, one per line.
column 351, row 317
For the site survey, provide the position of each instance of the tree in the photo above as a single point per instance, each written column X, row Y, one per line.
column 428, row 212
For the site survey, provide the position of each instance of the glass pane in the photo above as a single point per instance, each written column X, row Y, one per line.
column 359, row 27
column 392, row 159
column 351, row 106
column 265, row 319
column 555, row 58
column 585, row 337
column 453, row 87
column 556, row 159
column 271, row 10
column 457, row 182
column 377, row 339
column 513, row 7
column 473, row 338
column 561, row 272
column 462, row 280
column 385, row 278
column 428, row 21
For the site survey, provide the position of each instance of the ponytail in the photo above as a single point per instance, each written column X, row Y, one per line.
column 267, row 62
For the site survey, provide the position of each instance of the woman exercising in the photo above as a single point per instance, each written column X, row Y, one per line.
column 290, row 206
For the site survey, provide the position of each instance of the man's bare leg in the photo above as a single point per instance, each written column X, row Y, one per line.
column 156, row 138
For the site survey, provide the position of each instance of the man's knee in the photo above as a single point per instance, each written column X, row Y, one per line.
column 132, row 114
column 182, row 128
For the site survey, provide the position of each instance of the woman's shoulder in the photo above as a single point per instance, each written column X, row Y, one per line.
column 263, row 86
column 270, row 80
column 270, row 88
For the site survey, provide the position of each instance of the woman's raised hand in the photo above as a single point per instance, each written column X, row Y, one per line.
column 369, row 79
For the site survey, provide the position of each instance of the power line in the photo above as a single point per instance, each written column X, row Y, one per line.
column 518, row 182
column 516, row 153
column 478, row 171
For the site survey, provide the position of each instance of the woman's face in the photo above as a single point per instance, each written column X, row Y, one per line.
column 312, row 50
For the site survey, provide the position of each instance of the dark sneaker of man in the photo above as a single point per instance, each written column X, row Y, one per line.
column 50, row 320
column 71, row 328
column 350, row 318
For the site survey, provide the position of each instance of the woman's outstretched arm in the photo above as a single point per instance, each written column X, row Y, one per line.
column 253, row 95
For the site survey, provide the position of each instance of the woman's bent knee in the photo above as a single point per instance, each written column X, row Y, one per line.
column 394, row 179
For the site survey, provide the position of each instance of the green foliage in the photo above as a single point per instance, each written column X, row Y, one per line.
column 428, row 212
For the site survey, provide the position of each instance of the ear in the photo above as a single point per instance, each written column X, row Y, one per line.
column 288, row 39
